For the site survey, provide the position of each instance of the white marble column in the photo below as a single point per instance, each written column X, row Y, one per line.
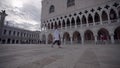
column 71, row 41
column 87, row 22
column 82, row 38
column 75, row 24
column 109, row 21
column 95, row 39
column 46, row 39
column 93, row 21
column 101, row 20
column 112, row 38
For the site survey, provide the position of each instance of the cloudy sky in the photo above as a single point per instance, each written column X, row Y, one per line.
column 22, row 13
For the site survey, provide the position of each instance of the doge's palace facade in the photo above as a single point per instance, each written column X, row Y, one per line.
column 81, row 21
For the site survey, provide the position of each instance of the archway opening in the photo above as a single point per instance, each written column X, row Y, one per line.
column 55, row 26
column 97, row 17
column 51, row 25
column 66, row 38
column 48, row 25
column 73, row 22
column 3, row 41
column 117, row 35
column 104, row 16
column 8, row 41
column 88, row 36
column 103, row 36
column 59, row 25
column 113, row 14
column 68, row 22
column 13, row 41
column 90, row 19
column 17, row 42
column 78, row 21
column 63, row 23
column 84, row 20
column 76, row 37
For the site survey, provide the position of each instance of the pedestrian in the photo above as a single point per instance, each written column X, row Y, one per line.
column 56, row 37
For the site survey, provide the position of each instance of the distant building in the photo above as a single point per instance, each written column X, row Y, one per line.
column 13, row 35
column 81, row 21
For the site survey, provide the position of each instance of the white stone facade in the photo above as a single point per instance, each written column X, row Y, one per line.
column 81, row 21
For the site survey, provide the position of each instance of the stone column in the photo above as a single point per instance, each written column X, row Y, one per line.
column 61, row 25
column 101, row 20
column 75, row 24
column 82, row 38
column 71, row 41
column 70, row 24
column 61, row 38
column 81, row 22
column 65, row 24
column 112, row 38
column 95, row 39
column 46, row 40
column 109, row 21
column 87, row 22
column 93, row 21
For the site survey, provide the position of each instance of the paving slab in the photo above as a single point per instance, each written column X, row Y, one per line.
column 69, row 56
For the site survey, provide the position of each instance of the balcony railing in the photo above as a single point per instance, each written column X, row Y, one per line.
column 84, row 25
column 97, row 23
column 113, row 21
column 91, row 24
column 105, row 22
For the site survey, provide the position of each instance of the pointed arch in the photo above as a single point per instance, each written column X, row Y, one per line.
column 59, row 24
column 78, row 20
column 55, row 26
column 73, row 22
column 97, row 17
column 103, row 34
column 88, row 35
column 117, row 33
column 52, row 25
column 76, row 37
column 104, row 16
column 63, row 23
column 84, row 20
column 113, row 14
column 48, row 25
column 90, row 18
column 66, row 37
column 68, row 22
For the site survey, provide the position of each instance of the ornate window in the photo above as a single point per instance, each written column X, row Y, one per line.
column 52, row 9
column 70, row 3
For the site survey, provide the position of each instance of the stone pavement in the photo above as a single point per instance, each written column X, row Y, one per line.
column 69, row 56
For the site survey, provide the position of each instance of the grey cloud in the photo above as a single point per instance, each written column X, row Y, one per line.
column 32, row 12
column 29, row 10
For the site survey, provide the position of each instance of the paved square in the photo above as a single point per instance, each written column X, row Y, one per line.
column 69, row 56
